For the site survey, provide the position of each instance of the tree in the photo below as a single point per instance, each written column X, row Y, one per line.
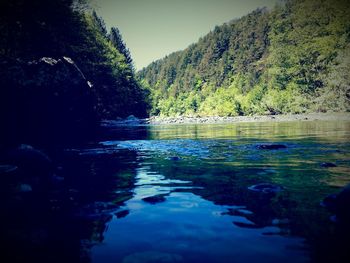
column 116, row 39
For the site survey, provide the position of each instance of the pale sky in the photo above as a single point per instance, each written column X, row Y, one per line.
column 153, row 29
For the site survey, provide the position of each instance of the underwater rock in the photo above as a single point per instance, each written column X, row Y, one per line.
column 271, row 146
column 122, row 213
column 328, row 165
column 266, row 188
column 174, row 158
column 152, row 257
column 154, row 199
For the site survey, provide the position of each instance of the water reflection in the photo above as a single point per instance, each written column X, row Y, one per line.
column 183, row 193
column 192, row 202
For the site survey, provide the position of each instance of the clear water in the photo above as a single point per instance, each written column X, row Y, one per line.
column 181, row 192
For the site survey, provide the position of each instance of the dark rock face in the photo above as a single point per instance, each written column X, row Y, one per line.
column 47, row 101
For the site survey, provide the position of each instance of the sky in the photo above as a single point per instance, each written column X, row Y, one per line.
column 152, row 29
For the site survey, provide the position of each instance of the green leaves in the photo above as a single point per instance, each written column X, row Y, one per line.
column 268, row 62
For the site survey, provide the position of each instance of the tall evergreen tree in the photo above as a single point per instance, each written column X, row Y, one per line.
column 116, row 39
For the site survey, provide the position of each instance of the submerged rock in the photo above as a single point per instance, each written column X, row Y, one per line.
column 154, row 199
column 174, row 158
column 328, row 165
column 271, row 146
column 266, row 188
column 122, row 214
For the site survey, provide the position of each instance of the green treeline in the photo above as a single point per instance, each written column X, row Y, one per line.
column 30, row 30
column 294, row 58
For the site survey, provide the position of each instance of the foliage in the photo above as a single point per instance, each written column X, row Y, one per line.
column 290, row 59
column 30, row 30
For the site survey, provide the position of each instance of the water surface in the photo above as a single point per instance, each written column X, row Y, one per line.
column 187, row 196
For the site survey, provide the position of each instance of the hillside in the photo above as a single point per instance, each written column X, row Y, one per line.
column 294, row 58
column 61, row 72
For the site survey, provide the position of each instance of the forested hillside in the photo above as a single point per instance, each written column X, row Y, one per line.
column 294, row 58
column 61, row 71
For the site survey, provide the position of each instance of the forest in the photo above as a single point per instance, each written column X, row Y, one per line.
column 61, row 72
column 294, row 58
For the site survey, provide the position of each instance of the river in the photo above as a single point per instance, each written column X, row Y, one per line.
column 190, row 196
column 234, row 192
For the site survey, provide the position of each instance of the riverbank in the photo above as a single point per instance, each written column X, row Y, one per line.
column 267, row 118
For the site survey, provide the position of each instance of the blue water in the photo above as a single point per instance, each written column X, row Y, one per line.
column 188, row 228
column 188, row 197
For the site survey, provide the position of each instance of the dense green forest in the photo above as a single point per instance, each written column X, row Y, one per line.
column 61, row 71
column 30, row 30
column 294, row 58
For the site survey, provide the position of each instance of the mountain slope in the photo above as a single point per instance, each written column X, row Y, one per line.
column 291, row 59
column 30, row 30
column 61, row 72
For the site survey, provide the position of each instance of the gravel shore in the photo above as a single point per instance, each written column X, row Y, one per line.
column 266, row 118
